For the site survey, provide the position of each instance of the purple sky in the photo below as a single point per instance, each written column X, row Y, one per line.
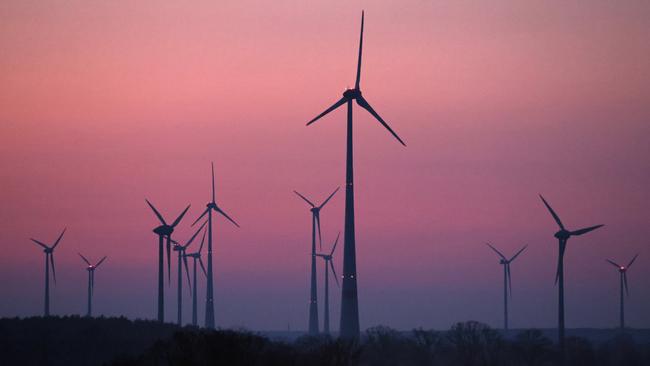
column 104, row 104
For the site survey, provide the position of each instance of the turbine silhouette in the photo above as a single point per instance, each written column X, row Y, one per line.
column 163, row 231
column 49, row 259
column 328, row 261
column 91, row 281
column 315, row 226
column 196, row 256
column 349, row 302
column 507, row 280
column 563, row 236
column 182, row 260
column 623, row 272
column 209, row 299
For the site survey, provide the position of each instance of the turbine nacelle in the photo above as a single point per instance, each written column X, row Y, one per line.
column 352, row 93
column 212, row 205
column 563, row 234
column 164, row 230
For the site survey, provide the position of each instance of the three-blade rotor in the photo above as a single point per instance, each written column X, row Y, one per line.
column 49, row 252
column 355, row 94
column 316, row 212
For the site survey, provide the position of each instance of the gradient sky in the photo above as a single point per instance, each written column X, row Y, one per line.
column 105, row 103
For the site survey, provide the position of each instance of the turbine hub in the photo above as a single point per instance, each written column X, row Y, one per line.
column 212, row 205
column 352, row 93
column 163, row 230
column 562, row 234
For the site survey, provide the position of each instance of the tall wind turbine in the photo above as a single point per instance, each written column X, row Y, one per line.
column 91, row 281
column 623, row 272
column 507, row 280
column 328, row 261
column 349, row 302
column 563, row 236
column 182, row 259
column 315, row 226
column 163, row 231
column 49, row 259
column 196, row 256
column 209, row 298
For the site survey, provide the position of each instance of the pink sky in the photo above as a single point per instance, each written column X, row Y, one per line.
column 104, row 104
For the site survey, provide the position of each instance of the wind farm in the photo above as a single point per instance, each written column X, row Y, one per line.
column 502, row 106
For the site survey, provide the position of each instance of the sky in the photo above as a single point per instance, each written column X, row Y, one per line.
column 104, row 104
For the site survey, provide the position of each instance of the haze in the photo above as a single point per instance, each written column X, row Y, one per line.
column 105, row 104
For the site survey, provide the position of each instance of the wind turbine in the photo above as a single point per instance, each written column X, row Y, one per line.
column 209, row 298
column 49, row 259
column 182, row 257
column 197, row 257
column 507, row 280
column 563, row 236
column 349, row 302
column 91, row 281
column 328, row 260
column 623, row 271
column 163, row 231
column 315, row 225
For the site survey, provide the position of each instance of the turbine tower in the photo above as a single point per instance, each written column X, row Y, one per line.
column 182, row 259
column 196, row 256
column 49, row 259
column 507, row 280
column 349, row 302
column 328, row 261
column 623, row 272
column 315, row 226
column 209, row 298
column 163, row 231
column 91, row 281
column 563, row 236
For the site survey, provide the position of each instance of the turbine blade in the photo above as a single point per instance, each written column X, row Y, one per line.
column 59, row 239
column 92, row 283
column 496, row 251
column 226, row 216
column 328, row 198
column 53, row 269
column 156, row 212
column 203, row 267
column 169, row 260
column 336, row 278
column 333, row 107
column 614, row 263
column 212, row 163
column 632, row 261
column 84, row 259
column 203, row 214
column 194, row 236
column 39, row 243
column 202, row 240
column 559, row 260
column 586, row 230
column 519, row 252
column 627, row 290
column 509, row 279
column 356, row 84
column 187, row 272
column 180, row 217
column 365, row 105
column 304, row 198
column 320, row 237
column 335, row 243
column 555, row 216
column 101, row 261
